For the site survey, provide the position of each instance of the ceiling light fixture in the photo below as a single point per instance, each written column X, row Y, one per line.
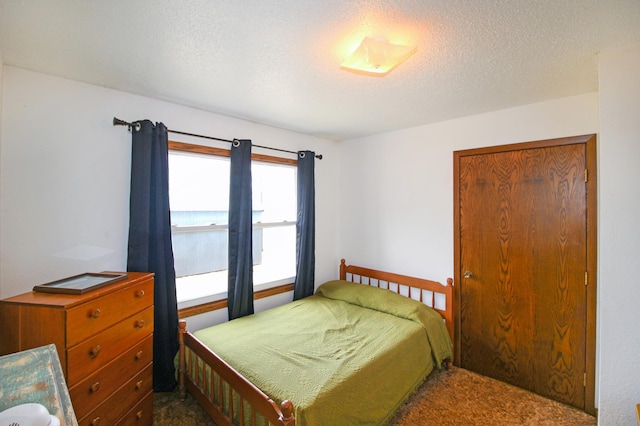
column 377, row 56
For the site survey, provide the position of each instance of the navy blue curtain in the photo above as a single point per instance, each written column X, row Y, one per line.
column 240, row 292
column 150, row 247
column 305, row 227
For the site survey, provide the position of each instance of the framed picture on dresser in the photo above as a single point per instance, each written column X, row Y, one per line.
column 80, row 284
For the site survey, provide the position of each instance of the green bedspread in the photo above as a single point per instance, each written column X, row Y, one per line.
column 350, row 354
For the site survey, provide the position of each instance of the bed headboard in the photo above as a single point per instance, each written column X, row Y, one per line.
column 432, row 293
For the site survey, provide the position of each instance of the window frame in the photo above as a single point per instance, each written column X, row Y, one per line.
column 222, row 152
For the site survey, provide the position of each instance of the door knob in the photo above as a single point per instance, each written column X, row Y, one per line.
column 467, row 274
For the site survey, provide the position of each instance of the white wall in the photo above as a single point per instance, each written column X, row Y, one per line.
column 396, row 189
column 619, row 237
column 64, row 187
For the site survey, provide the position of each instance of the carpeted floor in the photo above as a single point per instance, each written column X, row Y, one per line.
column 457, row 397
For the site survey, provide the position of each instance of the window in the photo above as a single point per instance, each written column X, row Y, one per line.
column 199, row 199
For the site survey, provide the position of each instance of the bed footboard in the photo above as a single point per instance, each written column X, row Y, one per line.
column 224, row 393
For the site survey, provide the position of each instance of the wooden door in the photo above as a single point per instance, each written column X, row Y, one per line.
column 523, row 265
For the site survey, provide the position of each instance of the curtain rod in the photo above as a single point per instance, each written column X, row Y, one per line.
column 136, row 126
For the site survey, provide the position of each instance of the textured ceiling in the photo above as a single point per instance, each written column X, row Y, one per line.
column 278, row 62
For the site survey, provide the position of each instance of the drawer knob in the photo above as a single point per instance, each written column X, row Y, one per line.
column 95, row 387
column 139, row 294
column 94, row 351
column 139, row 414
column 95, row 313
column 139, row 355
column 96, row 421
column 139, row 323
column 139, row 385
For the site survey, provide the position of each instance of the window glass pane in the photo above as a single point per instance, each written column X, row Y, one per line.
column 201, row 285
column 198, row 189
column 274, row 192
column 278, row 256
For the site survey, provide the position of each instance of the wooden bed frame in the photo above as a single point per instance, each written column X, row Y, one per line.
column 230, row 383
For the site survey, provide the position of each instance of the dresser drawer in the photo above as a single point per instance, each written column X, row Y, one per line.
column 96, row 315
column 141, row 414
column 90, row 392
column 99, row 350
column 121, row 402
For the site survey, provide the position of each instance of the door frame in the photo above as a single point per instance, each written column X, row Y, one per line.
column 591, row 245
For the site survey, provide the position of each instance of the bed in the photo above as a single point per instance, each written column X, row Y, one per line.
column 350, row 354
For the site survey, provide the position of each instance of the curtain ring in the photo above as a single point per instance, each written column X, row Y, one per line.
column 301, row 154
column 136, row 126
column 236, row 143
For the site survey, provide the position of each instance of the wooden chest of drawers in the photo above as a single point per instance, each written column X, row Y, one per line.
column 104, row 340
